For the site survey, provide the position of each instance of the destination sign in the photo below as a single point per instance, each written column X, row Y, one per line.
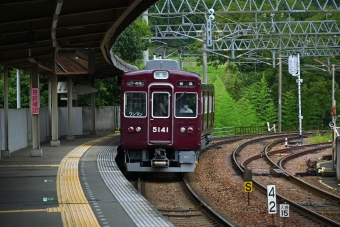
column 135, row 83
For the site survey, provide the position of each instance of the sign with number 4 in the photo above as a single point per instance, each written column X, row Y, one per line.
column 284, row 210
column 271, row 195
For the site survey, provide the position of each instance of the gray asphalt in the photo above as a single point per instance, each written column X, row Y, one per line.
column 28, row 186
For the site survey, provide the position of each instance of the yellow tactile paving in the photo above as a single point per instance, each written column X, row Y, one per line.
column 73, row 205
column 76, row 211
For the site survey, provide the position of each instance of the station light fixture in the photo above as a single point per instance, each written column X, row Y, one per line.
column 58, row 7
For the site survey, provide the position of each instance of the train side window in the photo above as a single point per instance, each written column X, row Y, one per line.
column 135, row 104
column 161, row 105
column 211, row 109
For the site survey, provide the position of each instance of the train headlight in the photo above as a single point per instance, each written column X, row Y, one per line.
column 182, row 130
column 138, row 129
column 190, row 130
column 130, row 129
column 161, row 75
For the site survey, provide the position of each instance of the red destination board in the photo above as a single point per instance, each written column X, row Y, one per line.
column 35, row 101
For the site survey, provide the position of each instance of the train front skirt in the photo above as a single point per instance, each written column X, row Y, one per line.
column 186, row 162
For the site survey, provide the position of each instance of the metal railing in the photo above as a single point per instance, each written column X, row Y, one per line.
column 233, row 131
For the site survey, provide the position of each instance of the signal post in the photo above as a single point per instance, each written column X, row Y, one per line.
column 248, row 182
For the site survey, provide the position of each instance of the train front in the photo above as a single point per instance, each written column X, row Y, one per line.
column 160, row 121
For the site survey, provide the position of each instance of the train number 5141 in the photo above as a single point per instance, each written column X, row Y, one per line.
column 160, row 129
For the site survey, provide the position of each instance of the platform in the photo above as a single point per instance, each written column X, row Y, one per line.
column 329, row 175
column 66, row 187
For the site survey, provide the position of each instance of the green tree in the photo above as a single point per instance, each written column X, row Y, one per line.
column 258, row 94
column 226, row 113
column 232, row 80
column 316, row 102
column 24, row 90
column 132, row 42
column 108, row 93
column 247, row 112
column 289, row 111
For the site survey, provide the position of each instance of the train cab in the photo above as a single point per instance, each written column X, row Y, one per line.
column 162, row 118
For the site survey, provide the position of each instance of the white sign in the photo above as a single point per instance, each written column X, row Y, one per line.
column 284, row 210
column 271, row 195
column 293, row 65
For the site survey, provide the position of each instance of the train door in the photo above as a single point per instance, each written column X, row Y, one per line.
column 160, row 119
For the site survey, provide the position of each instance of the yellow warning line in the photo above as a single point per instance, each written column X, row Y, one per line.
column 20, row 211
column 51, row 209
column 73, row 205
column 29, row 165
column 76, row 211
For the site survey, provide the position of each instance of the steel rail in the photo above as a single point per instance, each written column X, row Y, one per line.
column 311, row 214
column 218, row 218
column 295, row 179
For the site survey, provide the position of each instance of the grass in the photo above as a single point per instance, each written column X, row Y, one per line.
column 320, row 138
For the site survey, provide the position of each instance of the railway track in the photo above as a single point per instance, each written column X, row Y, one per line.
column 180, row 204
column 320, row 206
column 174, row 198
column 186, row 215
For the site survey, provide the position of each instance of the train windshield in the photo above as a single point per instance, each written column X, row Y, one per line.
column 135, row 104
column 160, row 104
column 186, row 105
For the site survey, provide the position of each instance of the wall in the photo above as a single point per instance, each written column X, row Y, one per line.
column 19, row 124
column 105, row 118
column 77, row 121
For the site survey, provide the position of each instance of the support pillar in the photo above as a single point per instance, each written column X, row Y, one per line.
column 69, row 136
column 6, row 152
column 337, row 165
column 54, row 82
column 93, row 111
column 49, row 101
column 35, row 151
column 18, row 90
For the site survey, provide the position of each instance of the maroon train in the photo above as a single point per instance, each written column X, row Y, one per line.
column 167, row 117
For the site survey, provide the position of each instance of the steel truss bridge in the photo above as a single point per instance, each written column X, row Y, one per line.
column 239, row 28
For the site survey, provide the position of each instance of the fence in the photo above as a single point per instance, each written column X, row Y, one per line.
column 232, row 131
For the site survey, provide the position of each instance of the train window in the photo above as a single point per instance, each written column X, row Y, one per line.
column 211, row 106
column 161, row 104
column 135, row 104
column 186, row 105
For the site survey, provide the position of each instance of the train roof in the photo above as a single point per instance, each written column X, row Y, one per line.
column 163, row 64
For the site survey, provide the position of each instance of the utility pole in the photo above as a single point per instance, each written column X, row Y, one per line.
column 294, row 69
column 204, row 57
column 146, row 52
column 279, row 113
column 299, row 81
column 332, row 69
column 334, row 120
